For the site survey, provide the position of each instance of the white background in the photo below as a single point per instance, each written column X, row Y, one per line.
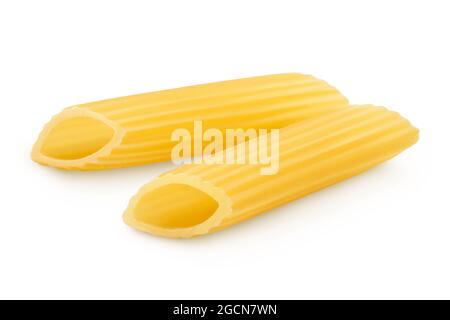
column 384, row 234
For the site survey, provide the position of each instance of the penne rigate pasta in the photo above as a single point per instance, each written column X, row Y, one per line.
column 137, row 129
column 197, row 199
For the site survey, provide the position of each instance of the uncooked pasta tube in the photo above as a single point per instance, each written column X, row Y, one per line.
column 197, row 199
column 137, row 129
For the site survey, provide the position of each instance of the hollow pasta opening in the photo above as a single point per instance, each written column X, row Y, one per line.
column 175, row 206
column 76, row 138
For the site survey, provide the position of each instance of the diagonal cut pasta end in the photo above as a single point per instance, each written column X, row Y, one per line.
column 178, row 206
column 74, row 138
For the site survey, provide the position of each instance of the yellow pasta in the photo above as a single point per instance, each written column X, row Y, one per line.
column 137, row 129
column 197, row 199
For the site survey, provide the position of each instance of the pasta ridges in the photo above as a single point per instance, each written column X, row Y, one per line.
column 262, row 109
column 322, row 160
column 210, row 90
column 163, row 107
column 340, row 121
column 227, row 105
